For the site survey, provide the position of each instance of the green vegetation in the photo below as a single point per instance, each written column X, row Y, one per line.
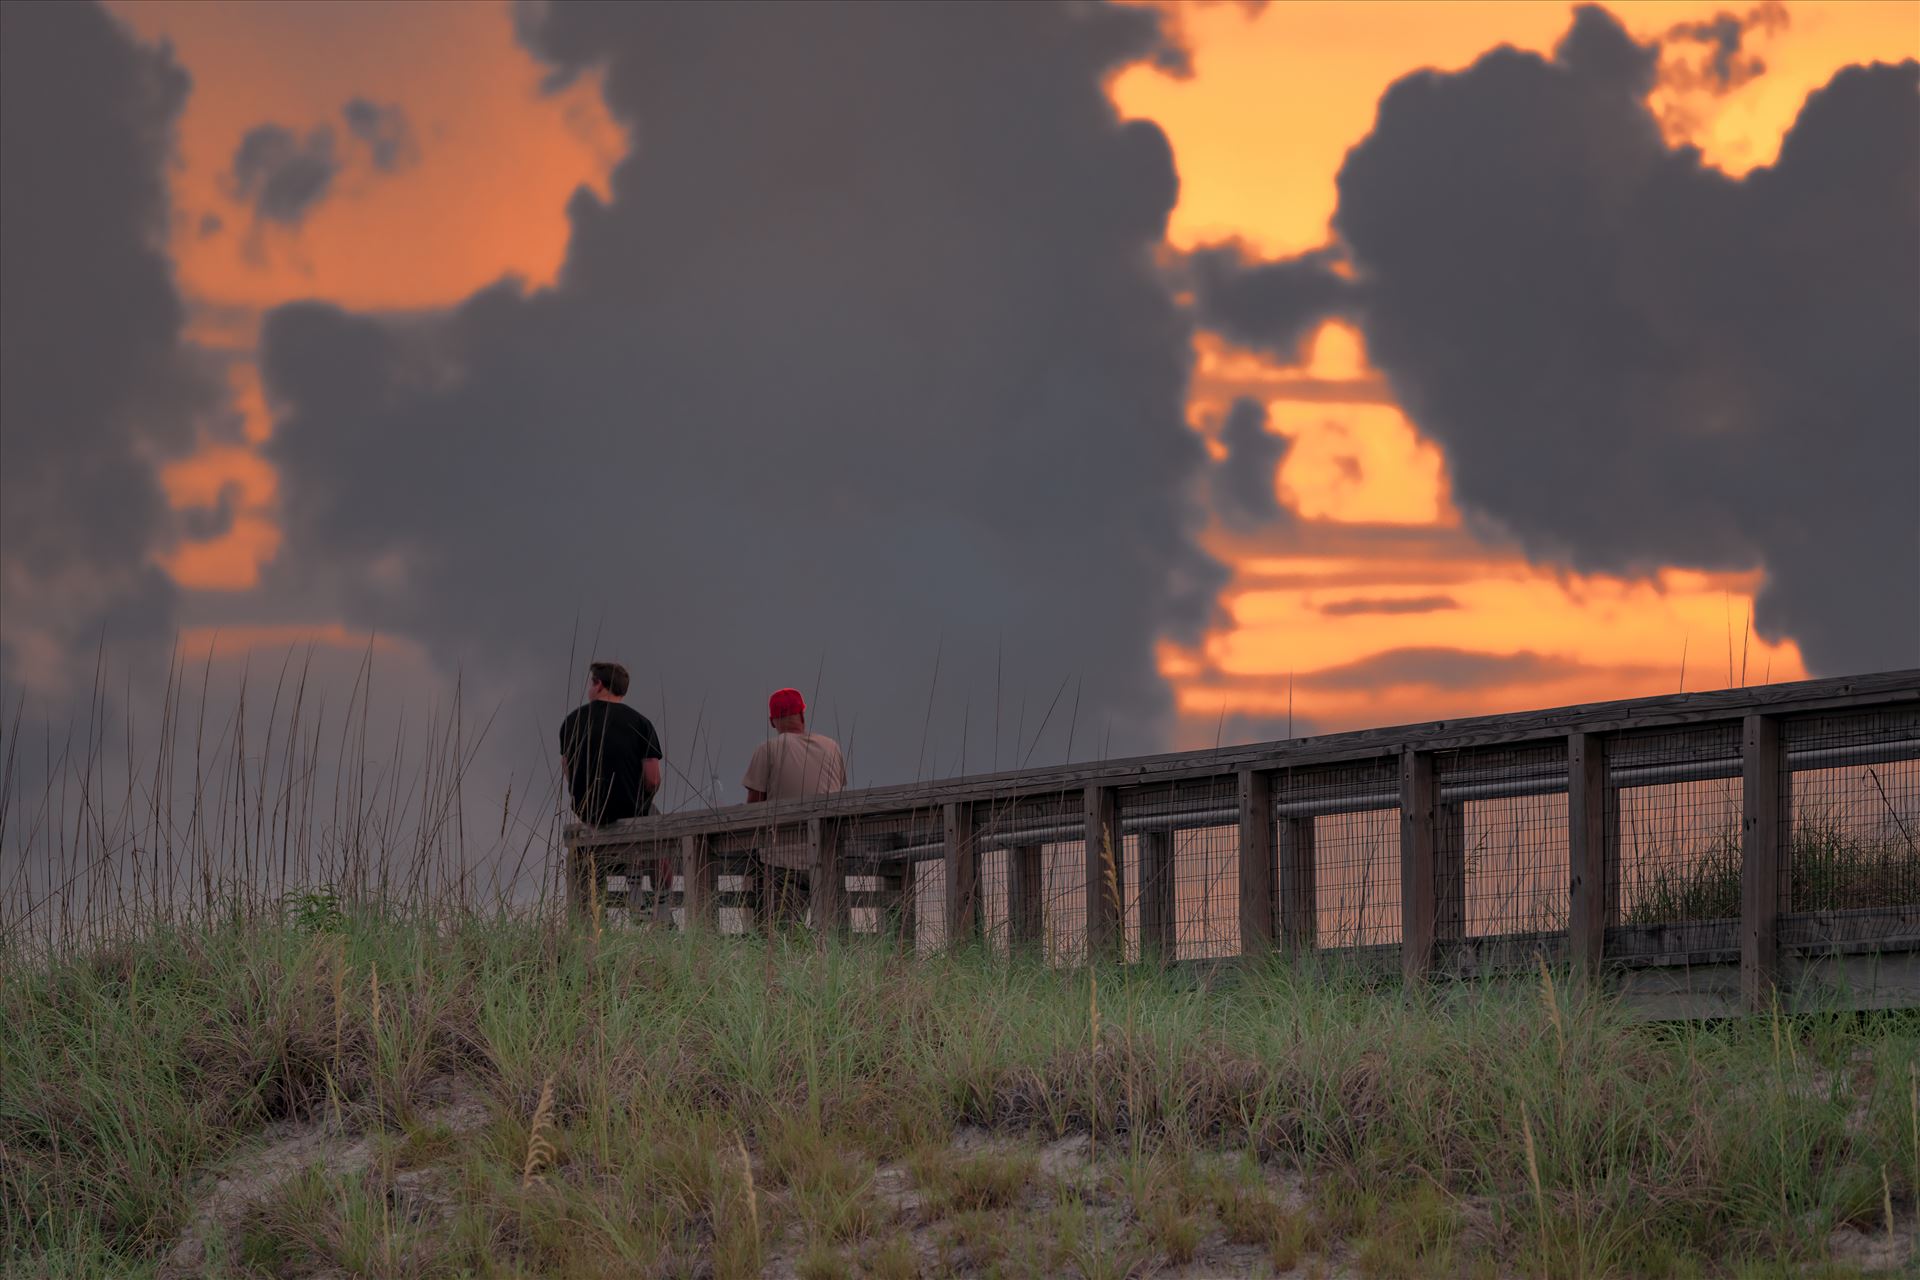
column 416, row 1097
column 1829, row 868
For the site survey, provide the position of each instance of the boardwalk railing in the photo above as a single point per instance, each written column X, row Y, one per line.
column 1707, row 850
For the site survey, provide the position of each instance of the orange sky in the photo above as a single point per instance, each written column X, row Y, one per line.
column 1258, row 132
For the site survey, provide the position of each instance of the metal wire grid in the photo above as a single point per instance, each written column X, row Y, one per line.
column 1851, row 810
column 1038, row 845
column 1672, row 815
column 637, row 883
column 1182, row 883
column 1501, row 842
column 1343, row 822
column 883, row 856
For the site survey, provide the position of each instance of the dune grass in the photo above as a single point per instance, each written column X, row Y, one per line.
column 648, row 1103
column 1829, row 867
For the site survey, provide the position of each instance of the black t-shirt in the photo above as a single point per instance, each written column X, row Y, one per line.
column 604, row 744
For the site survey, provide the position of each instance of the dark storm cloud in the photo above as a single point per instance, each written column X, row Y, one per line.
column 1726, row 65
column 1243, row 493
column 1266, row 306
column 281, row 175
column 1388, row 605
column 385, row 131
column 1441, row 668
column 1632, row 359
column 95, row 382
column 864, row 373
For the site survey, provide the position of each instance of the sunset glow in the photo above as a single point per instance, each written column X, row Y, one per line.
column 1258, row 130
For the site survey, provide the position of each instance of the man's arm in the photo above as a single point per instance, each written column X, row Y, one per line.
column 650, row 775
column 758, row 775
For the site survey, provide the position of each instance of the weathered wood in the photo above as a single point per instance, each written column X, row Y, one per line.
column 905, row 884
column 1026, row 914
column 1763, row 795
column 697, row 882
column 962, row 861
column 1105, row 863
column 825, row 879
column 1449, row 874
column 1299, row 912
column 1587, row 853
column 1256, row 862
column 1885, row 688
column 1158, row 919
column 1418, row 907
column 582, row 870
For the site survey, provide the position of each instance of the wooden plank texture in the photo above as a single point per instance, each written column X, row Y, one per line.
column 826, row 880
column 1105, row 862
column 1158, row 904
column 697, row 882
column 1418, row 905
column 1587, row 854
column 1256, row 862
column 1880, row 689
column 1762, row 792
column 962, row 862
column 1299, row 905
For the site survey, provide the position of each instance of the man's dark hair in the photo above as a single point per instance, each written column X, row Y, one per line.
column 612, row 676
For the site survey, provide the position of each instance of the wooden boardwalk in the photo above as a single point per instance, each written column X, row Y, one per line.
column 1704, row 853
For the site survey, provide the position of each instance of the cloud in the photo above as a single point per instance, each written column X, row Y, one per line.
column 96, row 383
column 1441, row 668
column 1726, row 65
column 865, row 367
column 1631, row 359
column 282, row 176
column 385, row 132
column 1243, row 492
column 1388, row 605
column 1273, row 307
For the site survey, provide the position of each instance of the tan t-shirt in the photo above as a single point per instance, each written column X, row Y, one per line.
column 794, row 766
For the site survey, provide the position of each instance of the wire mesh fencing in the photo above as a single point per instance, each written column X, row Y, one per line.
column 1038, row 844
column 1850, row 794
column 1337, row 836
column 1182, row 874
column 1673, row 813
column 1500, row 844
column 1663, row 829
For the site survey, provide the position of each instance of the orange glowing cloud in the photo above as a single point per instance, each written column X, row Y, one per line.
column 1277, row 96
column 486, row 197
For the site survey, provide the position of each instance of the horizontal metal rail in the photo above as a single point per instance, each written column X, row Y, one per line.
column 1897, row 691
column 1064, row 830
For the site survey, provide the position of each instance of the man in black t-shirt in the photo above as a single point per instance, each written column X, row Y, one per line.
column 610, row 752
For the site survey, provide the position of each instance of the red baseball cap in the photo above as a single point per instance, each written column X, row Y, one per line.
column 786, row 702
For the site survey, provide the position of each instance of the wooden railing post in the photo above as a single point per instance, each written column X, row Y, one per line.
column 962, row 862
column 1105, row 862
column 697, row 880
column 1256, row 862
column 1449, row 875
column 1590, row 863
column 580, row 870
column 828, row 881
column 1299, row 910
column 1159, row 936
column 1418, row 907
column 1764, row 795
column 904, row 890
column 1026, row 916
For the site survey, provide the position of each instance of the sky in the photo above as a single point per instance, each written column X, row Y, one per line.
column 1021, row 383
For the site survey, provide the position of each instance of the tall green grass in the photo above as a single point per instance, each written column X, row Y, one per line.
column 708, row 1102
column 1829, row 868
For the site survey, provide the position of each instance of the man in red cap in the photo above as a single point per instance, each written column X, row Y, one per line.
column 791, row 765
